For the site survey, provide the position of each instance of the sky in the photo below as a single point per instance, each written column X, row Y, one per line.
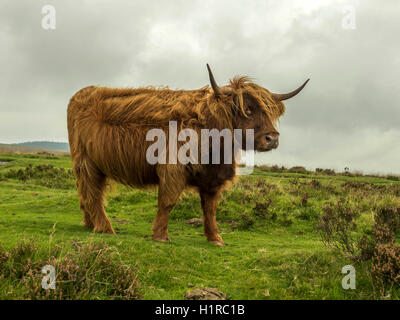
column 347, row 116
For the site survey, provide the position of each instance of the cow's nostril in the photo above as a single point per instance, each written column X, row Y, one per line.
column 272, row 142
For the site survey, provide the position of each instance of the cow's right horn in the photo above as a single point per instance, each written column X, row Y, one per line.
column 285, row 96
column 217, row 90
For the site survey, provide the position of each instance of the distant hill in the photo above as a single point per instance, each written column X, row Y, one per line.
column 57, row 148
column 63, row 146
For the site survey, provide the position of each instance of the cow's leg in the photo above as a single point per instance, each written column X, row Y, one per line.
column 87, row 221
column 170, row 187
column 209, row 202
column 91, row 184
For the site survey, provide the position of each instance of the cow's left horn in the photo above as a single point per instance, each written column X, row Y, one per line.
column 285, row 96
column 217, row 90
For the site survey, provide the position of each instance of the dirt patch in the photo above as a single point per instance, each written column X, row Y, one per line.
column 195, row 222
column 121, row 221
column 205, row 294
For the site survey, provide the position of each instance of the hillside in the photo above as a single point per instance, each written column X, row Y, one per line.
column 63, row 146
column 58, row 148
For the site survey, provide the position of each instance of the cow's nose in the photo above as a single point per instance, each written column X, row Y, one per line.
column 272, row 141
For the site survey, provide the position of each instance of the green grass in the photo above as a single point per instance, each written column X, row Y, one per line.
column 268, row 221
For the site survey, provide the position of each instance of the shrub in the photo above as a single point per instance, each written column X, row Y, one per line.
column 378, row 245
column 308, row 213
column 275, row 168
column 366, row 245
column 262, row 210
column 315, row 184
column 304, row 199
column 388, row 216
column 298, row 169
column 337, row 224
column 264, row 187
column 263, row 168
column 246, row 221
column 385, row 268
column 294, row 181
column 90, row 271
column 45, row 175
column 370, row 187
column 285, row 220
column 329, row 172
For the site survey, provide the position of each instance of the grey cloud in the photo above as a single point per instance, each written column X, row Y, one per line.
column 347, row 116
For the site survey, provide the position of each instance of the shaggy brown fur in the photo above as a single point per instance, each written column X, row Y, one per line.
column 107, row 135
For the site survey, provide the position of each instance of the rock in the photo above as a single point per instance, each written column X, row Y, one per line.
column 205, row 294
column 194, row 222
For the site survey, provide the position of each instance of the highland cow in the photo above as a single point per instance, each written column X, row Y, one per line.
column 107, row 131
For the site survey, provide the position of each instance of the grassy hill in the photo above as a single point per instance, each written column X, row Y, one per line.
column 63, row 146
column 269, row 221
column 58, row 148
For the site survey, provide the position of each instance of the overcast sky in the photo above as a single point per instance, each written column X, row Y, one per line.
column 348, row 115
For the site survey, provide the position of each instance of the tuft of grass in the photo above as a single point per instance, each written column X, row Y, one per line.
column 87, row 271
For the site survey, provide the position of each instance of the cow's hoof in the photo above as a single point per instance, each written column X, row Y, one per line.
column 161, row 238
column 88, row 224
column 219, row 243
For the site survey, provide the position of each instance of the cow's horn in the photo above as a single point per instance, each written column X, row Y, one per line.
column 217, row 90
column 289, row 95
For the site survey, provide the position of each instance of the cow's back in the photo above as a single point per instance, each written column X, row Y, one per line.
column 119, row 151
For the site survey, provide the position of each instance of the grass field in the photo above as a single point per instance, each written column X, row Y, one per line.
column 268, row 221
